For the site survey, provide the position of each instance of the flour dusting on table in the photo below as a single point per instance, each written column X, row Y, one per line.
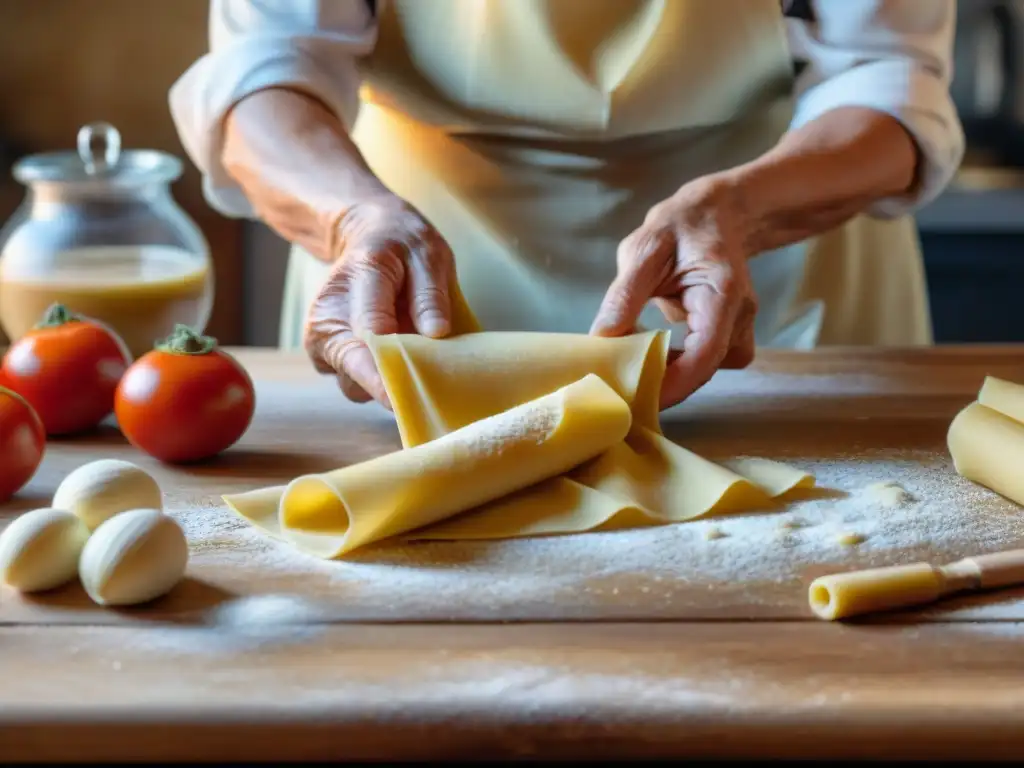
column 925, row 511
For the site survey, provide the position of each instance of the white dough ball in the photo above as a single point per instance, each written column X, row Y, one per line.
column 40, row 549
column 101, row 489
column 134, row 557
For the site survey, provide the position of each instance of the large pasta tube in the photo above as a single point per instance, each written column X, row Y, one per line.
column 1003, row 396
column 987, row 447
column 336, row 512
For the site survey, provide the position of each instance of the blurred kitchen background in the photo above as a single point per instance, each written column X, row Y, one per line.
column 65, row 63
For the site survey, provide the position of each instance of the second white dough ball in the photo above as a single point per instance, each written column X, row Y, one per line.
column 97, row 491
column 40, row 549
column 133, row 557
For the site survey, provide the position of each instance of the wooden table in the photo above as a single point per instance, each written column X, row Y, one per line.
column 611, row 665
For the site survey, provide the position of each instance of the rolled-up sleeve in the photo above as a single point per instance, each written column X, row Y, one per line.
column 894, row 56
column 311, row 45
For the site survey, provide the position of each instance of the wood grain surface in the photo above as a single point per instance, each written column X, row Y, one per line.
column 616, row 665
column 761, row 690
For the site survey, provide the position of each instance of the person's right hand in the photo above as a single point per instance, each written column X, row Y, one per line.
column 391, row 274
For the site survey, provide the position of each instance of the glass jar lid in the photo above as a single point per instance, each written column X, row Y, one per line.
column 99, row 160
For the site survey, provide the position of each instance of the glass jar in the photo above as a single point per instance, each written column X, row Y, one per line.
column 100, row 233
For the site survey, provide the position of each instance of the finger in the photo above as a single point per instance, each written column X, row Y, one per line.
column 333, row 347
column 348, row 387
column 741, row 352
column 429, row 273
column 351, row 389
column 672, row 310
column 350, row 358
column 374, row 282
column 711, row 319
column 327, row 356
column 357, row 364
column 643, row 260
column 405, row 323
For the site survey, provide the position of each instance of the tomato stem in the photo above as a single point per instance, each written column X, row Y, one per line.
column 186, row 341
column 57, row 315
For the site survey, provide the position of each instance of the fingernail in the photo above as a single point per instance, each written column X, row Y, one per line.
column 434, row 327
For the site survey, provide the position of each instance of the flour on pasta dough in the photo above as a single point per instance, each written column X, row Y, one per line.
column 535, row 421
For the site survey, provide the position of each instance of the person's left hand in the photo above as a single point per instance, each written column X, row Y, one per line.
column 690, row 257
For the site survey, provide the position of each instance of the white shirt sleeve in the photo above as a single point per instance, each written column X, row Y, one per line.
column 894, row 56
column 256, row 44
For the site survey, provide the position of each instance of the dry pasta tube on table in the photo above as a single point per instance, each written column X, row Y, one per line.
column 844, row 595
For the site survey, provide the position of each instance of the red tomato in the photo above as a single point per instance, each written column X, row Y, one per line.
column 186, row 400
column 22, row 442
column 67, row 367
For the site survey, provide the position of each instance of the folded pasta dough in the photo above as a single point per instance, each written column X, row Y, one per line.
column 439, row 386
column 436, row 386
column 336, row 512
column 644, row 480
column 986, row 439
column 1003, row 396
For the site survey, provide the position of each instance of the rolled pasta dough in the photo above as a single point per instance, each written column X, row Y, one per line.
column 437, row 387
column 1003, row 396
column 986, row 439
column 336, row 512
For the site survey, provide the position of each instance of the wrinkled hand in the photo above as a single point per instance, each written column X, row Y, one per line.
column 690, row 258
column 390, row 275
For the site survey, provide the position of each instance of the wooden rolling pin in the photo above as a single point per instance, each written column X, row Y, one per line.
column 840, row 595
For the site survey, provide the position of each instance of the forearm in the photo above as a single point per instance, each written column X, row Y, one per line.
column 821, row 175
column 296, row 163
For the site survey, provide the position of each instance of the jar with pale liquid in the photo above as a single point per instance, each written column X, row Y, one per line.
column 100, row 233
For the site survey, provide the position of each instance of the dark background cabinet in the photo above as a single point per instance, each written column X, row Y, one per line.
column 973, row 243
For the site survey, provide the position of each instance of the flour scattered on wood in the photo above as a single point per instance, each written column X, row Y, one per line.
column 905, row 506
column 258, row 611
column 938, row 515
column 889, row 494
column 247, row 624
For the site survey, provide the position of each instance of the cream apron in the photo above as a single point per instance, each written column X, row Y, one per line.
column 536, row 134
